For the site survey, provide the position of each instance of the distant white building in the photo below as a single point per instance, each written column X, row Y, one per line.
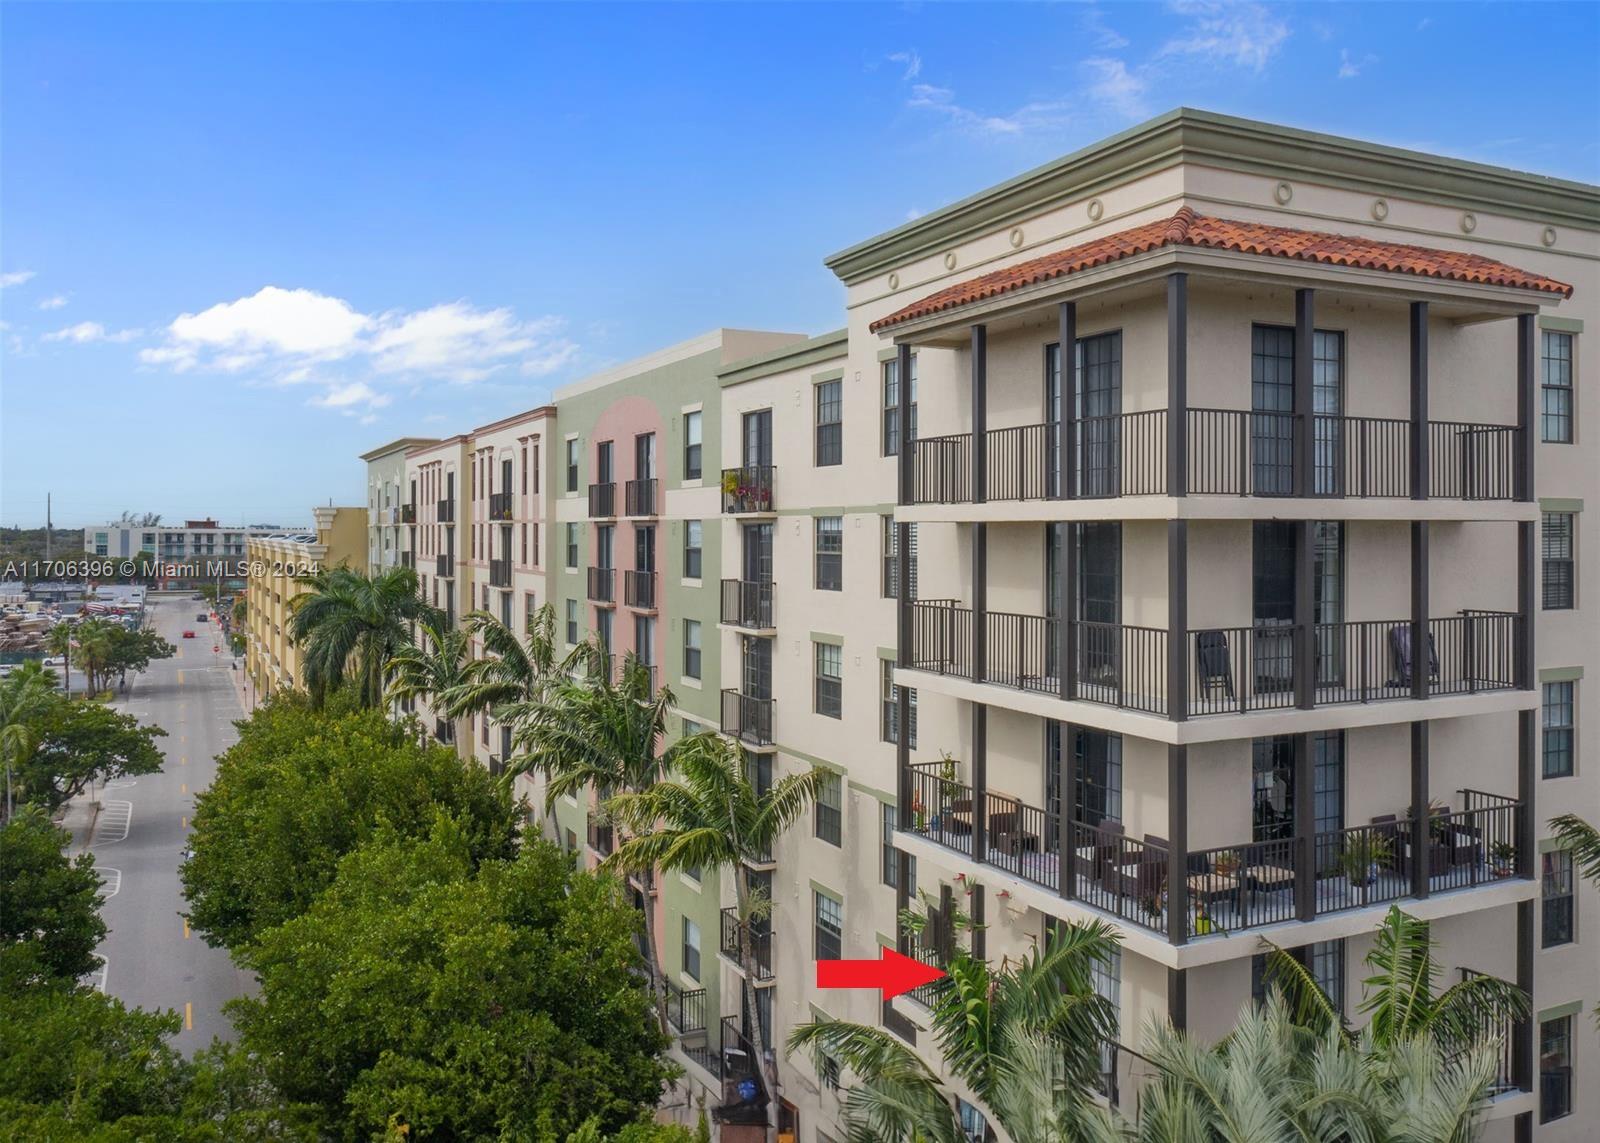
column 192, row 539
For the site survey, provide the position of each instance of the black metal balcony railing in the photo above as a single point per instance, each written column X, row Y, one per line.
column 747, row 603
column 445, row 511
column 408, row 513
column 499, row 573
column 602, row 838
column 1231, row 452
column 444, row 566
column 924, row 953
column 747, row 718
column 639, row 497
column 639, row 589
column 1504, row 1077
column 686, row 1009
column 1231, row 669
column 760, row 937
column 499, row 505
column 602, row 585
column 602, row 500
column 1229, row 888
column 740, row 1066
column 748, row 489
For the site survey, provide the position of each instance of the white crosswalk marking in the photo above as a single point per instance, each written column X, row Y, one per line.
column 115, row 817
column 113, row 878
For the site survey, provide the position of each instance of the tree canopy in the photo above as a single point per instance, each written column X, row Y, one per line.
column 458, row 999
column 84, row 742
column 302, row 788
column 49, row 905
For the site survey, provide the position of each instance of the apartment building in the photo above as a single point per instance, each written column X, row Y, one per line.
column 1280, row 579
column 386, row 502
column 173, row 543
column 279, row 567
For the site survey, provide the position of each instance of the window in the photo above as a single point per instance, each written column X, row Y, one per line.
column 691, row 648
column 830, row 553
column 572, row 621
column 1555, row 1068
column 530, row 607
column 1106, row 978
column 891, row 708
column 829, row 815
column 890, row 871
column 691, row 445
column 691, row 949
column 1325, row 959
column 690, row 726
column 830, row 423
column 572, row 546
column 1098, row 797
column 1558, row 570
column 829, row 937
column 644, row 642
column 1557, row 898
column 572, row 464
column 828, row 1071
column 693, row 540
column 830, row 684
column 1558, row 730
column 973, row 1125
column 891, row 558
column 891, row 405
column 1556, row 388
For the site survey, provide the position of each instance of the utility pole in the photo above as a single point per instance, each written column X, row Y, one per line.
column 49, row 527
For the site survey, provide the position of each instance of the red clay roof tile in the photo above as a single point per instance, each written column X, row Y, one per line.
column 1186, row 228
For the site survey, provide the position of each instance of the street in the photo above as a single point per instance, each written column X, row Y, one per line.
column 152, row 960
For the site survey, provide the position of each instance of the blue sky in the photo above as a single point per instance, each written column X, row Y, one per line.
column 242, row 243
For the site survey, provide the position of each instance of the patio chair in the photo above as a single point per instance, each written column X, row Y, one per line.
column 1211, row 662
column 1400, row 656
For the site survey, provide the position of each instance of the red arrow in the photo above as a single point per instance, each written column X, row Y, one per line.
column 893, row 973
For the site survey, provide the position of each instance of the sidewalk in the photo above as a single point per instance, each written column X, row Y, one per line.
column 78, row 818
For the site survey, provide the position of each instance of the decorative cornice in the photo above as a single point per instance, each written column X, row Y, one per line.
column 811, row 351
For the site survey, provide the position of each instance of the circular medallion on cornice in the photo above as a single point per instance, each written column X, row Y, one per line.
column 1096, row 209
column 950, row 260
column 1469, row 222
column 1380, row 209
column 1016, row 238
column 1283, row 192
column 894, row 281
column 1549, row 236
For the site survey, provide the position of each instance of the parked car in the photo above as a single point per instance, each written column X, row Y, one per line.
column 54, row 661
column 188, row 634
column 201, row 618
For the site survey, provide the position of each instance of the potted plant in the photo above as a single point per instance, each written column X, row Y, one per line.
column 947, row 767
column 1151, row 904
column 1364, row 856
column 1202, row 922
column 1503, row 858
column 1227, row 862
column 730, row 486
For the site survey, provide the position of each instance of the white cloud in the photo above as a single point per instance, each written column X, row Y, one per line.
column 455, row 341
column 87, row 331
column 911, row 61
column 1246, row 35
column 180, row 358
column 14, row 277
column 355, row 395
column 1113, row 85
column 277, row 320
column 53, row 303
column 1105, row 37
column 1351, row 68
column 1028, row 117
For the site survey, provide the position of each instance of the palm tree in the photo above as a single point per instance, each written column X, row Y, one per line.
column 599, row 735
column 1273, row 1078
column 1025, row 1039
column 1399, row 998
column 512, row 677
column 58, row 641
column 433, row 670
column 24, row 695
column 351, row 625
column 1582, row 840
column 705, row 813
column 93, row 638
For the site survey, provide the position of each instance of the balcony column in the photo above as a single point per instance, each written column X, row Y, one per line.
column 905, row 464
column 1421, row 659
column 980, row 946
column 1178, row 998
column 1524, row 835
column 1177, row 620
column 1419, row 401
column 1066, row 483
column 1421, row 799
column 980, row 414
column 1527, row 609
column 980, row 783
column 1304, row 647
column 1527, row 336
column 1178, row 844
column 1305, row 321
column 1522, row 1032
column 1067, row 797
column 1178, row 384
column 1305, row 830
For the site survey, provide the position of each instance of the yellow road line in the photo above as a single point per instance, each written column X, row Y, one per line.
column 183, row 787
column 186, row 928
column 188, row 1015
column 184, row 821
column 180, row 678
column 183, row 760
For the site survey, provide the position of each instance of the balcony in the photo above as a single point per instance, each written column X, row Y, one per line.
column 747, row 718
column 1230, row 670
column 499, row 505
column 639, row 590
column 445, row 512
column 603, row 585
column 740, row 1073
column 408, row 559
column 639, row 497
column 1230, row 453
column 445, row 566
column 1231, row 888
column 408, row 513
column 686, row 1009
column 499, row 573
column 747, row 603
column 760, row 937
column 444, row 731
column 602, row 500
column 601, row 838
column 748, row 490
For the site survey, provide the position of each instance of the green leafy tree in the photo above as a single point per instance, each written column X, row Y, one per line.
column 514, row 674
column 25, row 695
column 58, row 641
column 1024, row 1039
column 302, row 788
column 426, row 995
column 49, row 905
column 432, row 670
column 83, row 742
column 93, row 641
column 132, row 650
column 349, row 626
column 1583, row 841
column 706, row 813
